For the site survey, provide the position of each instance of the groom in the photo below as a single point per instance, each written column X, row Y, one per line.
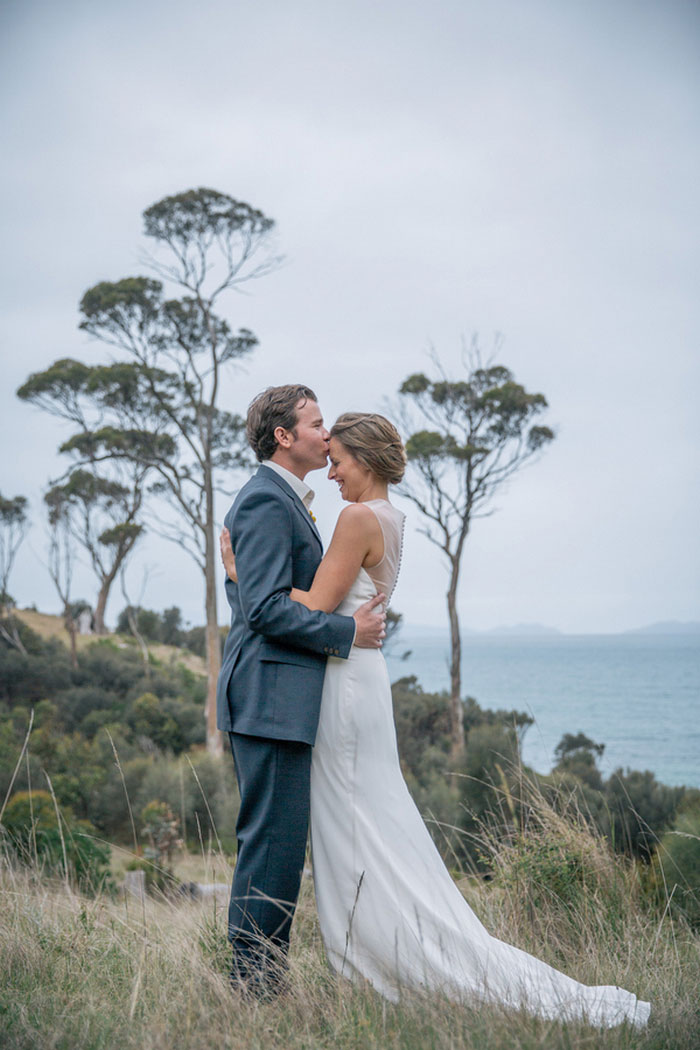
column 269, row 689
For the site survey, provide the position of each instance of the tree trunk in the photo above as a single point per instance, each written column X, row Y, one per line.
column 101, row 605
column 214, row 740
column 72, row 632
column 456, row 711
column 134, row 628
column 106, row 583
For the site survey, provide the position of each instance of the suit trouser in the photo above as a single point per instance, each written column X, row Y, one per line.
column 273, row 780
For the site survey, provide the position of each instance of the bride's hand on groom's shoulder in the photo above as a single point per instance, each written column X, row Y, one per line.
column 370, row 621
column 227, row 555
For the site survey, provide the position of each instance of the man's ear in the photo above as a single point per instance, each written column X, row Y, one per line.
column 283, row 437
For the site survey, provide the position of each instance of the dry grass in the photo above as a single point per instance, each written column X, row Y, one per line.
column 107, row 973
column 204, row 866
column 48, row 626
column 115, row 972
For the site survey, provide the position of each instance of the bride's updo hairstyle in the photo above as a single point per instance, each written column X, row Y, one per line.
column 374, row 442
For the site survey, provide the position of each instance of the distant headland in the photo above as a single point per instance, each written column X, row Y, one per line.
column 539, row 630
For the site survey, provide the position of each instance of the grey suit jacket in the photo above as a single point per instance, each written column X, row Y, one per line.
column 275, row 653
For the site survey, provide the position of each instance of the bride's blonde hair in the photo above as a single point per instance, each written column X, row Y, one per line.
column 374, row 442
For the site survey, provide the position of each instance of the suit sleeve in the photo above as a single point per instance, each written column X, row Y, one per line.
column 261, row 530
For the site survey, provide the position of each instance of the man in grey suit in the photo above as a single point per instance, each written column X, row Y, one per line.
column 269, row 689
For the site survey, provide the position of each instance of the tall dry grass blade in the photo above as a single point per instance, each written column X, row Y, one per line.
column 19, row 762
column 31, row 812
column 183, row 818
column 430, row 818
column 666, row 909
column 126, row 793
column 60, row 830
column 133, row 826
column 211, row 819
column 663, row 917
column 135, row 994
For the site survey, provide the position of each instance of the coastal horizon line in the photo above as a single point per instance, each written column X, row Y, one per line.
column 538, row 630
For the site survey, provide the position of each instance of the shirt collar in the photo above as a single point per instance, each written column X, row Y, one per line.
column 299, row 487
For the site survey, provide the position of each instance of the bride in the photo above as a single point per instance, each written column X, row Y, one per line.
column 388, row 908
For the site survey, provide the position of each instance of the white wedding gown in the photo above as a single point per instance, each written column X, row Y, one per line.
column 389, row 910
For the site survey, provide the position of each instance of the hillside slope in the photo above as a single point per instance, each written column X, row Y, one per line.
column 49, row 626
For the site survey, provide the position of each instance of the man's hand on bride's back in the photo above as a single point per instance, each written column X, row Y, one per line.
column 227, row 555
column 371, row 623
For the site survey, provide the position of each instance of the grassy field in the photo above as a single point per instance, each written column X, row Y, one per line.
column 113, row 972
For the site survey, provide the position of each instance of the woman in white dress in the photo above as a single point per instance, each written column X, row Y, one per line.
column 389, row 910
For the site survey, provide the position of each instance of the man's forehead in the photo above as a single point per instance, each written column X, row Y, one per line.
column 309, row 409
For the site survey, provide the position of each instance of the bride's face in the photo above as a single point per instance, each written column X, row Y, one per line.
column 351, row 476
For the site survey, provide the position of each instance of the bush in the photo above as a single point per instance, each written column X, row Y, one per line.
column 561, row 875
column 173, row 781
column 577, row 756
column 161, row 828
column 72, row 710
column 80, row 702
column 34, row 836
column 679, row 861
column 44, row 670
column 107, row 668
column 456, row 796
column 639, row 810
column 110, row 809
column 148, row 622
column 171, row 724
column 167, row 628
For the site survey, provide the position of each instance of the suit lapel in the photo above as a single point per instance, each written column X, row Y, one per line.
column 289, row 491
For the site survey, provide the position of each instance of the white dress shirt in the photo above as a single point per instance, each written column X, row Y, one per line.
column 300, row 488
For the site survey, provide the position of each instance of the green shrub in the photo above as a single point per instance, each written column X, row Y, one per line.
column 162, row 829
column 679, row 860
column 34, row 836
column 639, row 809
column 171, row 724
column 560, row 873
column 173, row 781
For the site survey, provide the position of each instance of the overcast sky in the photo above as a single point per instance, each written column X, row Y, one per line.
column 435, row 168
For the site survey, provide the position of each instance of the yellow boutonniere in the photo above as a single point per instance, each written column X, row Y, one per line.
column 312, row 516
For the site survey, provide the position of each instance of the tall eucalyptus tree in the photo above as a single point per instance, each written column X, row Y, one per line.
column 157, row 404
column 103, row 516
column 62, row 561
column 13, row 529
column 465, row 437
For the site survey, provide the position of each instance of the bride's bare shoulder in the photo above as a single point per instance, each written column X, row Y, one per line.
column 357, row 518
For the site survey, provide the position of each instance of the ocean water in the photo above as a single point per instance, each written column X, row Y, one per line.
column 637, row 694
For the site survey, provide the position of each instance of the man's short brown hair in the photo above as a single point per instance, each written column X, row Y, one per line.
column 275, row 407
